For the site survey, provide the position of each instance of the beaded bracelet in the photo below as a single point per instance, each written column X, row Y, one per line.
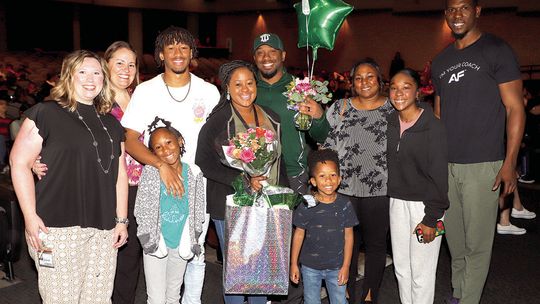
column 121, row 220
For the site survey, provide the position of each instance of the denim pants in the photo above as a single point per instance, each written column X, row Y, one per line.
column 312, row 285
column 233, row 299
column 194, row 277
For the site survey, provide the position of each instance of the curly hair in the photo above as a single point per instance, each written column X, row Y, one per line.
column 321, row 156
column 173, row 35
column 225, row 72
column 117, row 45
column 64, row 91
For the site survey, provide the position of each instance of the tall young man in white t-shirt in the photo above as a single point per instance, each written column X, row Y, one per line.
column 185, row 100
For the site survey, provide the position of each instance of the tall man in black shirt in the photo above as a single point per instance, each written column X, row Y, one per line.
column 478, row 88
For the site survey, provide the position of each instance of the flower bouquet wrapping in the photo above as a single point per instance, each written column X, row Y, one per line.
column 253, row 151
column 298, row 90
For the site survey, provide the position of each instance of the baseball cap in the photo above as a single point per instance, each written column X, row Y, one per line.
column 268, row 39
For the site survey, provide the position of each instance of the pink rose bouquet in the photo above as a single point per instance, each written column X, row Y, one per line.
column 253, row 151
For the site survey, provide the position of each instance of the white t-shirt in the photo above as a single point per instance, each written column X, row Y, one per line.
column 151, row 99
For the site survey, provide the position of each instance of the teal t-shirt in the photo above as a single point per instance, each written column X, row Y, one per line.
column 174, row 212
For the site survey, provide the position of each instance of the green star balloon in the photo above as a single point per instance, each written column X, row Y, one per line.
column 320, row 27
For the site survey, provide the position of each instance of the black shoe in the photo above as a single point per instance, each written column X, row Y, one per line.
column 526, row 179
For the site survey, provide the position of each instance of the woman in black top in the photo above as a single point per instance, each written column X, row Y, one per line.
column 76, row 216
column 235, row 112
column 417, row 186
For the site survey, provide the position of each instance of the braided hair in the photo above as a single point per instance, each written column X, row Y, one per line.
column 225, row 72
column 166, row 125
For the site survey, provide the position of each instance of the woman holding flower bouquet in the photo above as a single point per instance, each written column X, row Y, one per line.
column 234, row 114
column 358, row 134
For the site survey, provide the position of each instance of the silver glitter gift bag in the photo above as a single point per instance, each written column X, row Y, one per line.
column 257, row 247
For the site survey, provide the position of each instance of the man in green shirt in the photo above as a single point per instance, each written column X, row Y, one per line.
column 272, row 79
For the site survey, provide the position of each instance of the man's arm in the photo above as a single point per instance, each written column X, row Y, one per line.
column 515, row 124
column 142, row 154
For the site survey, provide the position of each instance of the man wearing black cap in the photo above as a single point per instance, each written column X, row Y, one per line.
column 272, row 79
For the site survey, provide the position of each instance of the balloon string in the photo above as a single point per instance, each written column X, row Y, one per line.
column 307, row 45
column 313, row 62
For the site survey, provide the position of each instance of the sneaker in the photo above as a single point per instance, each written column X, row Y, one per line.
column 510, row 229
column 523, row 214
column 525, row 179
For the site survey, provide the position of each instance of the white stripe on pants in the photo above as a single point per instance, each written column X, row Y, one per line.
column 84, row 266
column 164, row 277
column 415, row 264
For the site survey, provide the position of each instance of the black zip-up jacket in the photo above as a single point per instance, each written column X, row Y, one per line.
column 418, row 164
column 213, row 135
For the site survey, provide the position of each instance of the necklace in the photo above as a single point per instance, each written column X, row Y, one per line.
column 95, row 143
column 188, row 90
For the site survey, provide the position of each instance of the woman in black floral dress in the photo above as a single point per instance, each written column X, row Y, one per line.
column 358, row 133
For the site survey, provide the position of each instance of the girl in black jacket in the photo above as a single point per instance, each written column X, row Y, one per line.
column 417, row 186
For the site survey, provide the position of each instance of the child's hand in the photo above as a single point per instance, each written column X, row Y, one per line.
column 343, row 276
column 295, row 274
column 173, row 182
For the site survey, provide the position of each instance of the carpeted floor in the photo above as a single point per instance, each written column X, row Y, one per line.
column 514, row 276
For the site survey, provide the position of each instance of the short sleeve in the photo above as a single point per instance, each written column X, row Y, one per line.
column 133, row 119
column 118, row 129
column 350, row 216
column 300, row 218
column 506, row 66
column 38, row 114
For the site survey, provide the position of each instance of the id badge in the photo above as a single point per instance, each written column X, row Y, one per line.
column 45, row 258
column 45, row 255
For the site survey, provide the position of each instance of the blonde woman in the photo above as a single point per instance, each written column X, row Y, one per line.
column 76, row 217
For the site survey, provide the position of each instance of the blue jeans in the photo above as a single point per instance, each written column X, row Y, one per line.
column 194, row 280
column 194, row 277
column 312, row 285
column 233, row 299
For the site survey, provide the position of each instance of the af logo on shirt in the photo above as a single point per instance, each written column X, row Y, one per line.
column 456, row 76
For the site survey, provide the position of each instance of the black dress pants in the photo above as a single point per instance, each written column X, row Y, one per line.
column 372, row 232
column 129, row 259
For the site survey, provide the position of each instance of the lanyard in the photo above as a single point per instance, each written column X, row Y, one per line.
column 242, row 119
